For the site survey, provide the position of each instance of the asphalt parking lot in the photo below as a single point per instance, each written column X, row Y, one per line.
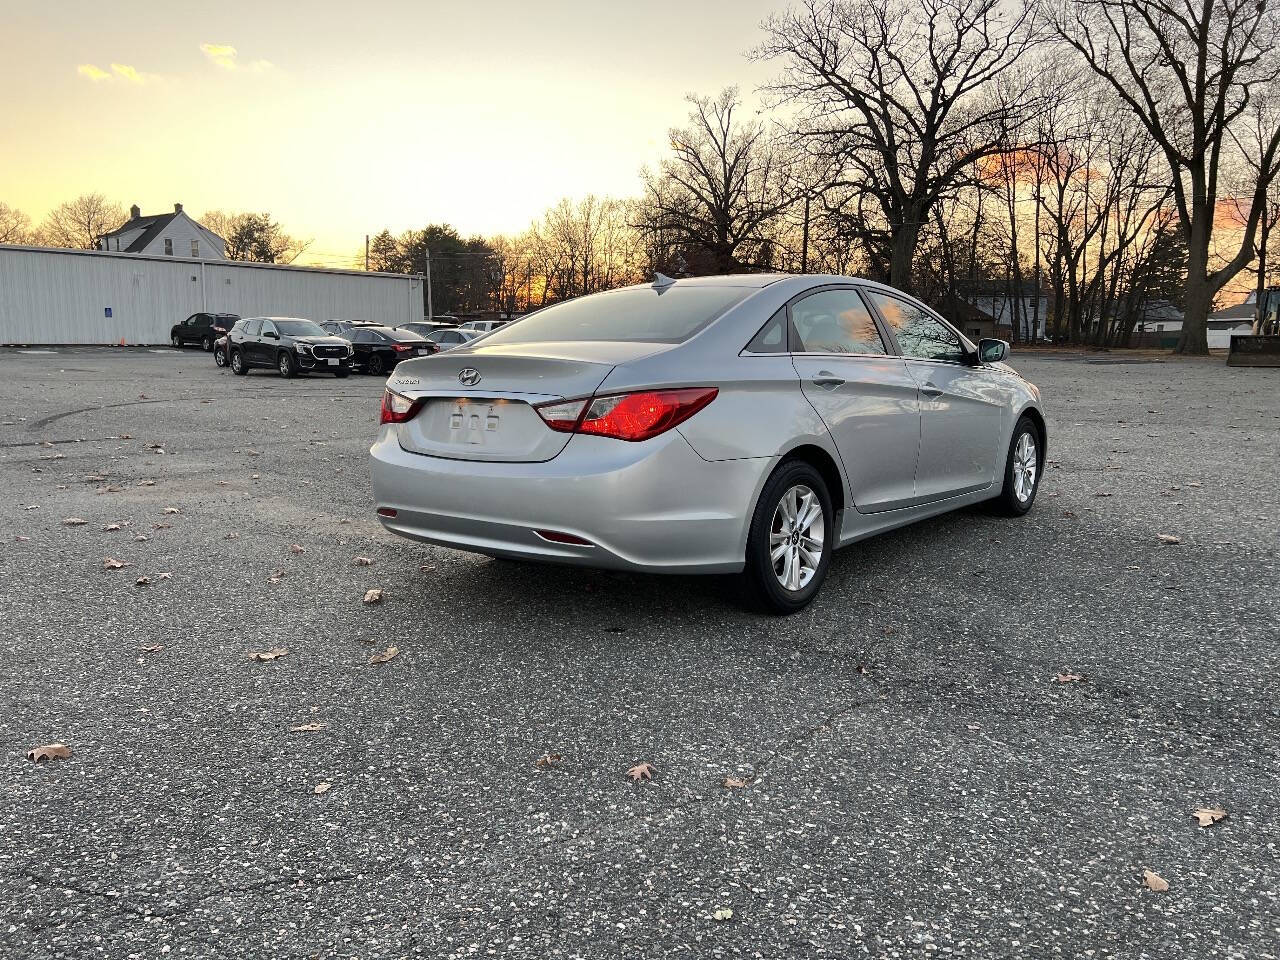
column 917, row 781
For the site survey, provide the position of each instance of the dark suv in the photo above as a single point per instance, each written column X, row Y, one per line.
column 288, row 344
column 201, row 328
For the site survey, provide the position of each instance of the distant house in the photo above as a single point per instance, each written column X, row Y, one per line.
column 165, row 235
column 993, row 313
column 1236, row 319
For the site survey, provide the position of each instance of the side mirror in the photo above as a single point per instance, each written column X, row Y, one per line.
column 992, row 351
column 272, row 335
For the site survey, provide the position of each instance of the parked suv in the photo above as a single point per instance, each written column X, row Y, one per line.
column 201, row 328
column 288, row 344
column 483, row 326
column 222, row 346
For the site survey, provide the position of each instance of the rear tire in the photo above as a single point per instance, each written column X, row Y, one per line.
column 177, row 344
column 790, row 541
column 375, row 365
column 287, row 366
column 238, row 366
column 206, row 344
column 1023, row 468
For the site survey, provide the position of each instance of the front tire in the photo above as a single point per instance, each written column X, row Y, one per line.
column 1022, row 470
column 220, row 357
column 288, row 368
column 238, row 366
column 177, row 344
column 790, row 541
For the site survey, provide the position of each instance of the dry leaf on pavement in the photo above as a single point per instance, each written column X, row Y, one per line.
column 1168, row 538
column 734, row 783
column 142, row 581
column 307, row 727
column 1208, row 816
column 111, row 563
column 50, row 751
column 723, row 914
column 297, row 548
column 111, row 528
column 1154, row 881
column 641, row 771
column 362, row 562
column 1068, row 678
column 264, row 655
column 172, row 510
column 322, row 788
column 153, row 648
column 385, row 655
column 161, row 526
column 373, row 596
column 74, row 522
column 276, row 576
column 232, row 536
column 146, row 483
column 549, row 760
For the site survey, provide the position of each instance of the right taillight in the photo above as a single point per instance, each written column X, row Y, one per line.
column 628, row 416
column 397, row 408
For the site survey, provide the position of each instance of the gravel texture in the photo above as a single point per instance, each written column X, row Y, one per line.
column 918, row 784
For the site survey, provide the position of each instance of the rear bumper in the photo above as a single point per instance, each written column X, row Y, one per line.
column 654, row 506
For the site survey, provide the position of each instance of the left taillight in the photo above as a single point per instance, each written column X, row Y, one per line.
column 627, row 416
column 397, row 408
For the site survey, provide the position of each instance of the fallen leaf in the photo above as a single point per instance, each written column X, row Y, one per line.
column 146, row 483
column 276, row 576
column 161, row 526
column 426, row 568
column 21, row 539
column 34, row 506
column 172, row 510
column 1168, row 538
column 323, row 788
column 74, row 522
column 253, row 476
column 153, row 648
column 307, row 727
column 549, row 760
column 110, row 488
column 373, row 596
column 111, row 527
column 252, row 453
column 232, row 536
column 297, row 548
column 142, row 581
column 1208, row 816
column 50, row 751
column 1102, row 493
column 111, row 563
column 141, row 538
column 641, row 771
column 164, row 576
column 264, row 655
column 735, row 783
column 362, row 562
column 344, row 520
column 1195, row 484
column 1069, row 678
column 1154, row 881
column 385, row 655
column 723, row 914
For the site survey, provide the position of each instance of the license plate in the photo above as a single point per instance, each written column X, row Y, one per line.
column 332, row 361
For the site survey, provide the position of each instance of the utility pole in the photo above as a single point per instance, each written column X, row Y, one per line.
column 430, row 309
column 366, row 253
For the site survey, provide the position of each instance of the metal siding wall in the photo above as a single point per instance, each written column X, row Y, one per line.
column 51, row 296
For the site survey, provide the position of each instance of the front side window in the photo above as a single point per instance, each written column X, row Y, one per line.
column 268, row 327
column 632, row 315
column 835, row 321
column 921, row 336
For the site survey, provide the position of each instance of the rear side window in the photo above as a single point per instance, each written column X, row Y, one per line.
column 252, row 328
column 835, row 321
column 633, row 315
column 919, row 334
column 772, row 337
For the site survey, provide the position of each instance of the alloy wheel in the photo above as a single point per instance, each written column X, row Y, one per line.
column 797, row 537
column 1025, row 466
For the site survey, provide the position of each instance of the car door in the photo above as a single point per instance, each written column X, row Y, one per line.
column 246, row 339
column 187, row 330
column 863, row 393
column 267, row 343
column 963, row 405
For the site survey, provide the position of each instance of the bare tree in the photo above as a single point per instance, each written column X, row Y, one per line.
column 1188, row 70
column 15, row 226
column 80, row 223
column 901, row 92
column 723, row 189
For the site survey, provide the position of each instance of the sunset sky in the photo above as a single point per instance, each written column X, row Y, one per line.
column 344, row 119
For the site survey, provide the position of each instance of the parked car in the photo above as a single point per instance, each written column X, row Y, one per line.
column 339, row 328
column 450, row 338
column 425, row 328
column 221, row 354
column 483, row 326
column 379, row 349
column 290, row 345
column 201, row 328
column 748, row 424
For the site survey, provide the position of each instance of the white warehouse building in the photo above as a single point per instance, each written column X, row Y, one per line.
column 54, row 296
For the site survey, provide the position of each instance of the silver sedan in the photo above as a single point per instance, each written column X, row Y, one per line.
column 741, row 424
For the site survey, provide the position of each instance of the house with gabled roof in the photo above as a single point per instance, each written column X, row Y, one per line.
column 174, row 234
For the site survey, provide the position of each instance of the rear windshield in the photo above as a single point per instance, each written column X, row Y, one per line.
column 636, row 314
column 299, row 328
column 400, row 335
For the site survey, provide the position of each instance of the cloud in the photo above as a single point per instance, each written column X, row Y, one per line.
column 227, row 57
column 126, row 72
column 90, row 72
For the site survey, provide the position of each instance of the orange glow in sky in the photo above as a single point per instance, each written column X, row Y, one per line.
column 341, row 120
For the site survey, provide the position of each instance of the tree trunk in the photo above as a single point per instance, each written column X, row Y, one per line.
column 1193, row 339
column 905, row 237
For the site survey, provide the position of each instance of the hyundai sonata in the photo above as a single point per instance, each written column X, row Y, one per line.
column 740, row 424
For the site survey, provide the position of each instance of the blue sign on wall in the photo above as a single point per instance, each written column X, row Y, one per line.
column 107, row 313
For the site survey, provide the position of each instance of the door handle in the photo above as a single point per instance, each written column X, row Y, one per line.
column 827, row 379
column 930, row 390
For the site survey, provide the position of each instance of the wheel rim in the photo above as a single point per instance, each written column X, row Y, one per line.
column 1025, row 466
column 220, row 358
column 175, row 340
column 284, row 364
column 236, row 361
column 797, row 537
column 375, row 364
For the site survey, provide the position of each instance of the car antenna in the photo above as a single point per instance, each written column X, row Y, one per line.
column 661, row 281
